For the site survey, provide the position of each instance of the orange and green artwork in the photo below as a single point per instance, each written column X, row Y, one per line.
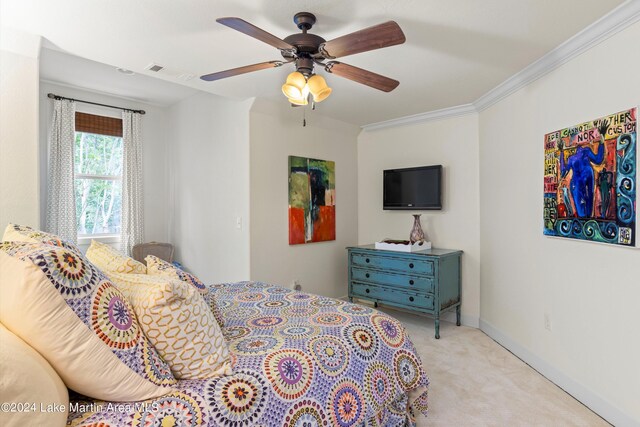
column 312, row 200
column 590, row 180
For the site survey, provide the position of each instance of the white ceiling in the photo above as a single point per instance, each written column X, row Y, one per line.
column 60, row 67
column 456, row 50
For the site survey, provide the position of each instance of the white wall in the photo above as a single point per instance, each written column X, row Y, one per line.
column 155, row 128
column 590, row 291
column 19, row 198
column 452, row 143
column 320, row 267
column 209, row 183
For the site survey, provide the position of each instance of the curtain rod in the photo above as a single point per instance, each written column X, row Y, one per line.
column 53, row 96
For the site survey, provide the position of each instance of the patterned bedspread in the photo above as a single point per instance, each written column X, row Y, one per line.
column 298, row 360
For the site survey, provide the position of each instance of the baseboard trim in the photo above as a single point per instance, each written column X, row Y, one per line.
column 465, row 319
column 593, row 401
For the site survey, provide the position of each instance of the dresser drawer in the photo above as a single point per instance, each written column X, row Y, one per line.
column 407, row 265
column 397, row 297
column 418, row 283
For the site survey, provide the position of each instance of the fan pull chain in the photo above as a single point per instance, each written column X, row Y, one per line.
column 304, row 117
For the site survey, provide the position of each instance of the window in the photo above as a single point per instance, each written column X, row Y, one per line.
column 98, row 175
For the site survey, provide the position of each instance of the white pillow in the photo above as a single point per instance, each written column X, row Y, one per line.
column 29, row 385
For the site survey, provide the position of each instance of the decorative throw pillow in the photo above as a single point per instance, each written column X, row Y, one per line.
column 23, row 233
column 159, row 267
column 29, row 383
column 178, row 323
column 66, row 309
column 108, row 259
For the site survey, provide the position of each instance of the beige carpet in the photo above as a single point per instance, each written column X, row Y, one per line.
column 476, row 382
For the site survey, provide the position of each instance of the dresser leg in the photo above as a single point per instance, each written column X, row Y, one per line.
column 437, row 327
column 458, row 316
column 350, row 299
column 375, row 304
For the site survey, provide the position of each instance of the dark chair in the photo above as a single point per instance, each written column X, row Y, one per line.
column 163, row 251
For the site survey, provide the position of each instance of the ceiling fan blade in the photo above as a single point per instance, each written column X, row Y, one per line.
column 255, row 32
column 359, row 75
column 241, row 70
column 376, row 37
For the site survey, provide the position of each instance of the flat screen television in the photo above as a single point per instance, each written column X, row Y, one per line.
column 413, row 188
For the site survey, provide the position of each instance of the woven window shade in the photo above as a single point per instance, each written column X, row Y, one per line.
column 101, row 125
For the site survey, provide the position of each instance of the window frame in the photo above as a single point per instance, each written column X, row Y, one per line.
column 85, row 239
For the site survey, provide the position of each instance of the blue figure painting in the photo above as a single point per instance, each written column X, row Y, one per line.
column 582, row 179
column 589, row 180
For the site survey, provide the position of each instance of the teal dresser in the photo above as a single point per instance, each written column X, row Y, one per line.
column 425, row 282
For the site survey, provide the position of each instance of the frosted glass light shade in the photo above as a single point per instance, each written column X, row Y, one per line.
column 293, row 88
column 318, row 88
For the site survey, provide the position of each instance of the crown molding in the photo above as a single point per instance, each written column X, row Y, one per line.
column 628, row 13
column 458, row 110
column 613, row 22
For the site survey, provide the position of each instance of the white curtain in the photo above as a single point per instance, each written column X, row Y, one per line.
column 61, row 203
column 132, row 231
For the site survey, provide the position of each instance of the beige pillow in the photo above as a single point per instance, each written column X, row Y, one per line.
column 67, row 310
column 178, row 323
column 108, row 259
column 159, row 267
column 30, row 386
column 23, row 233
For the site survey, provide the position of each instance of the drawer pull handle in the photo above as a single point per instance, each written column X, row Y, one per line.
column 410, row 298
column 367, row 260
column 411, row 265
column 367, row 291
column 367, row 275
column 411, row 282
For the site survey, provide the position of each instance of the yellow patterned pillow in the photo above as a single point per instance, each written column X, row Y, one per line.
column 158, row 267
column 178, row 323
column 108, row 259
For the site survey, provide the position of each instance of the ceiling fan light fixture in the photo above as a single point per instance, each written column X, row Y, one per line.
column 319, row 97
column 294, row 86
column 318, row 88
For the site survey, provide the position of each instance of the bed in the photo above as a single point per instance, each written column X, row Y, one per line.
column 298, row 360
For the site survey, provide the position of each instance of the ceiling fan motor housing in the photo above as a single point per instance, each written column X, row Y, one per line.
column 306, row 44
column 304, row 64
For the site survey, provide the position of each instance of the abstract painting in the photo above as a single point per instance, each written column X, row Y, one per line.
column 312, row 200
column 590, row 180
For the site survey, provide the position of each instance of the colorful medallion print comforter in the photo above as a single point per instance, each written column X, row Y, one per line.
column 298, row 360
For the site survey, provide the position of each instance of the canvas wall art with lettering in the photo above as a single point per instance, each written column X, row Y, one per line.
column 590, row 180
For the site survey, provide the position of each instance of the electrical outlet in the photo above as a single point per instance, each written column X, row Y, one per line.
column 547, row 322
column 239, row 223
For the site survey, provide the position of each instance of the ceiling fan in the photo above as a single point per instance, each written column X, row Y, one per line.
column 307, row 50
